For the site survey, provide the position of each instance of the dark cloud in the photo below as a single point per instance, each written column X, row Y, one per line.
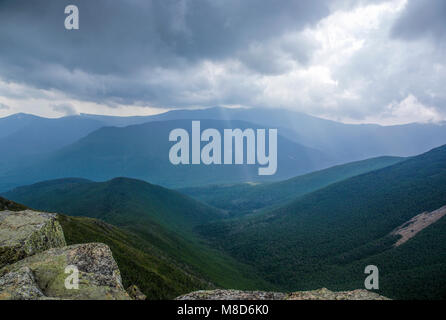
column 118, row 40
column 420, row 19
column 172, row 53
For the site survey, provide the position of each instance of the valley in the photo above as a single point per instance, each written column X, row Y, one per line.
column 222, row 150
column 249, row 197
column 314, row 224
column 330, row 233
column 163, row 218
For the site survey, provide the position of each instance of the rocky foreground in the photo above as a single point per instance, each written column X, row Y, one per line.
column 34, row 258
column 321, row 294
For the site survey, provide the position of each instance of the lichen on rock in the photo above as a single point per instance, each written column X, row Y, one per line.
column 220, row 294
column 99, row 276
column 320, row 294
column 27, row 232
column 325, row 294
column 20, row 285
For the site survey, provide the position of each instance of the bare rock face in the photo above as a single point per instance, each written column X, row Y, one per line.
column 99, row 276
column 321, row 294
column 27, row 232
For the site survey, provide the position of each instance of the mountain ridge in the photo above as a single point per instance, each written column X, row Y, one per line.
column 332, row 232
column 142, row 152
column 251, row 197
column 350, row 142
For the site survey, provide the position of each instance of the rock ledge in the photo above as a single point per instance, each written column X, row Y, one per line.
column 35, row 262
column 320, row 294
column 27, row 232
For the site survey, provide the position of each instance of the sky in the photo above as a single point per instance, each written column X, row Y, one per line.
column 365, row 61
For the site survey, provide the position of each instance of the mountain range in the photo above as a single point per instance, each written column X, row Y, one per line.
column 32, row 142
column 348, row 142
column 344, row 197
column 142, row 152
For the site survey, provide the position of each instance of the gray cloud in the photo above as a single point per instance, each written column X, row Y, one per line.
column 420, row 19
column 172, row 53
column 117, row 40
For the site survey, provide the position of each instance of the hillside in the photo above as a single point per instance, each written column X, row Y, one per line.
column 117, row 201
column 325, row 232
column 142, row 152
column 161, row 217
column 6, row 204
column 241, row 198
column 140, row 263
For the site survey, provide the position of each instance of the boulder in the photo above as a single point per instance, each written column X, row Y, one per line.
column 27, row 232
column 98, row 273
column 20, row 285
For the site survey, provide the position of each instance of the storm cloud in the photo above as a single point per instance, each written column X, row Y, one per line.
column 422, row 19
column 348, row 60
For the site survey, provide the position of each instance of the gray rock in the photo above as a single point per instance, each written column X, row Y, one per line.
column 20, row 285
column 99, row 276
column 27, row 232
column 232, row 295
column 325, row 294
column 320, row 294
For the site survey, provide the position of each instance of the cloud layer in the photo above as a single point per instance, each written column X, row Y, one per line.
column 347, row 60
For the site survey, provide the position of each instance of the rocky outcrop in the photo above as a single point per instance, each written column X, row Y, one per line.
column 35, row 262
column 25, row 233
column 325, row 294
column 321, row 294
column 98, row 274
column 232, row 295
column 20, row 285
